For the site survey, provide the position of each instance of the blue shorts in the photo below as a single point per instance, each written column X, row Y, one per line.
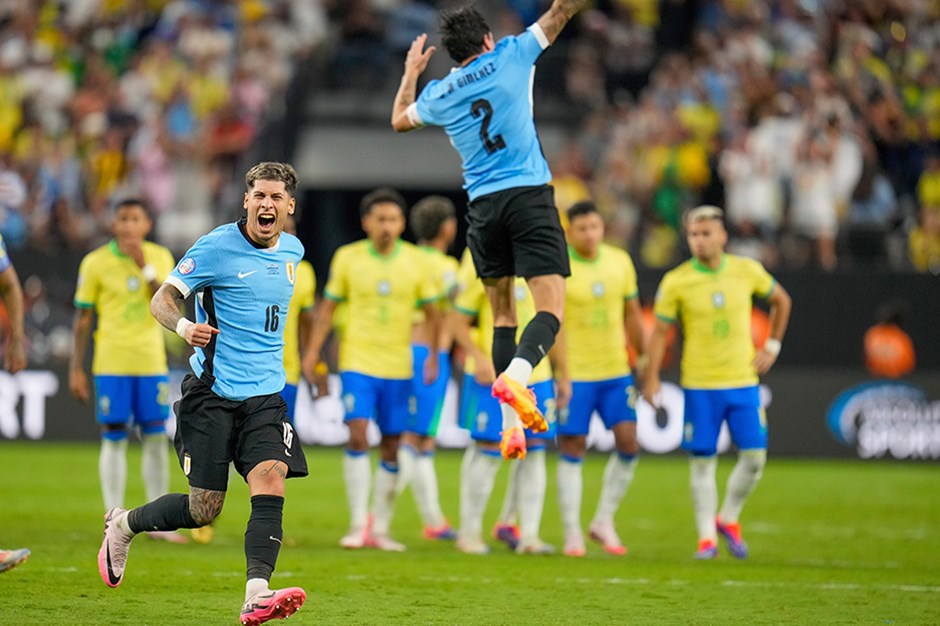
column 484, row 419
column 429, row 399
column 706, row 409
column 390, row 402
column 289, row 393
column 613, row 399
column 134, row 400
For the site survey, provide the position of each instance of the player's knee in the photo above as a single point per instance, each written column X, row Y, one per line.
column 753, row 461
column 204, row 510
column 572, row 446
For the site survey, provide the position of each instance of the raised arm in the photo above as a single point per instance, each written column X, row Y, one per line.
column 165, row 308
column 559, row 14
column 415, row 64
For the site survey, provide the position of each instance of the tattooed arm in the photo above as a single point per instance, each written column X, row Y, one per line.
column 559, row 14
column 415, row 64
column 165, row 308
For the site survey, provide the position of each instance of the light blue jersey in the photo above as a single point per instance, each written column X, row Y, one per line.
column 490, row 125
column 244, row 291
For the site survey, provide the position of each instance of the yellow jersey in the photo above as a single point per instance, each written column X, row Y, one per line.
column 305, row 284
column 443, row 268
column 472, row 301
column 381, row 293
column 594, row 305
column 714, row 309
column 128, row 340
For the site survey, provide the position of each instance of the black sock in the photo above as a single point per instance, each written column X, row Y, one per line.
column 263, row 535
column 504, row 347
column 169, row 512
column 538, row 337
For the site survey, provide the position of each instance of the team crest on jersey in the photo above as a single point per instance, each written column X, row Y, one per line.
column 598, row 289
column 718, row 299
column 187, row 266
column 133, row 283
column 384, row 287
column 290, row 273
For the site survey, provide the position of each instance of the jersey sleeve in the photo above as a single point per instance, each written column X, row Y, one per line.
column 630, row 288
column 530, row 45
column 337, row 286
column 763, row 282
column 469, row 299
column 430, row 288
column 198, row 269
column 425, row 110
column 88, row 287
column 666, row 306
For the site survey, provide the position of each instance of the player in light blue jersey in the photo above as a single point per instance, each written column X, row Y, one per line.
column 514, row 228
column 231, row 409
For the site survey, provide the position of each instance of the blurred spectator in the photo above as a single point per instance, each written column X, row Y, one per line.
column 924, row 241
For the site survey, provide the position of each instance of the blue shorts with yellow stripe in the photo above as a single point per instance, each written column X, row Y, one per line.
column 706, row 409
column 133, row 400
column 613, row 399
column 484, row 419
column 429, row 399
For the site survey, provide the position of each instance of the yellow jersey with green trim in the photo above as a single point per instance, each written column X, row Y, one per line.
column 305, row 284
column 128, row 340
column 381, row 293
column 443, row 268
column 472, row 301
column 714, row 309
column 595, row 294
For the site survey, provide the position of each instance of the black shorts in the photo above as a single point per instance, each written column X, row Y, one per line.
column 517, row 232
column 211, row 431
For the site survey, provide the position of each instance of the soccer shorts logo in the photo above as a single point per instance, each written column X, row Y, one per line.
column 349, row 401
column 187, row 464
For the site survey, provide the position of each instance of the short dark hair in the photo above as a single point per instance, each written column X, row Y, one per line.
column 272, row 170
column 380, row 196
column 462, row 32
column 585, row 207
column 128, row 202
column 429, row 215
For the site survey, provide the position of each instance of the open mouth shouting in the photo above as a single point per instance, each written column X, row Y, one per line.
column 266, row 222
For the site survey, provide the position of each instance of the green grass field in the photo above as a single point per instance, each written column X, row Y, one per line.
column 844, row 542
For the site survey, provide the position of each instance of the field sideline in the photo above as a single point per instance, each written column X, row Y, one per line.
column 832, row 542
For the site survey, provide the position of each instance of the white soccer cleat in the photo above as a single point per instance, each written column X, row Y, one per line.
column 605, row 534
column 384, row 543
column 263, row 607
column 355, row 539
column 534, row 546
column 472, row 545
column 574, row 543
column 112, row 557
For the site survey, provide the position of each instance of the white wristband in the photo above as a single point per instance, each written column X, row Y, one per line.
column 772, row 346
column 149, row 272
column 182, row 326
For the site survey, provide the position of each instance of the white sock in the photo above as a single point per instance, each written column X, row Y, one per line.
column 510, row 508
column 384, row 498
column 519, row 370
column 123, row 524
column 481, row 475
column 531, row 497
column 358, row 476
column 466, row 465
column 112, row 469
column 617, row 478
column 744, row 477
column 570, row 488
column 155, row 466
column 254, row 586
column 510, row 417
column 704, row 495
column 407, row 458
column 426, row 491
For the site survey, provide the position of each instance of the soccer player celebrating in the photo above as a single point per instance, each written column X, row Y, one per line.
column 514, row 229
column 710, row 295
column 381, row 279
column 433, row 221
column 602, row 309
column 116, row 282
column 231, row 409
column 482, row 417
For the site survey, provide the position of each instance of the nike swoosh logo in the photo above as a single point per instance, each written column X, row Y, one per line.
column 287, row 452
column 114, row 579
column 272, row 538
column 244, row 274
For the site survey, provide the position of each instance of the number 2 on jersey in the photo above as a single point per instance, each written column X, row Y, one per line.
column 482, row 106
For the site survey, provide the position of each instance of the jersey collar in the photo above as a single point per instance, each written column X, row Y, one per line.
column 384, row 257
column 242, row 229
column 577, row 257
column 704, row 268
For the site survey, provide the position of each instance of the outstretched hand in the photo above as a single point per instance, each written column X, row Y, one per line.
column 418, row 57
